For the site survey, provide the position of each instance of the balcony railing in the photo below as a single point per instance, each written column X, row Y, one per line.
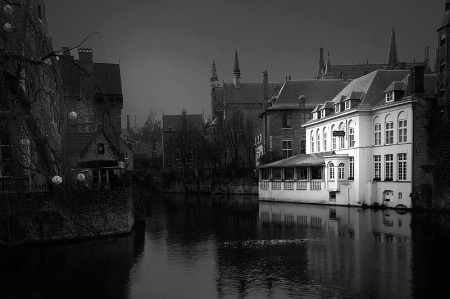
column 276, row 185
column 288, row 185
column 302, row 185
column 264, row 185
column 291, row 185
column 316, row 185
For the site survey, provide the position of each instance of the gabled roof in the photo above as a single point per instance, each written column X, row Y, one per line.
column 250, row 93
column 327, row 105
column 315, row 92
column 317, row 108
column 316, row 159
column 193, row 122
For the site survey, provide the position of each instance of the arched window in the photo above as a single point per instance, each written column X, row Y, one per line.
column 100, row 148
column 443, row 39
column 341, row 138
column 389, row 129
column 333, row 138
column 312, row 142
column 377, row 131
column 341, row 171
column 351, row 134
column 324, row 139
column 318, row 141
column 402, row 127
column 331, row 170
column 442, row 65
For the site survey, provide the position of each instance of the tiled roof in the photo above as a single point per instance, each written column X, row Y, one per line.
column 107, row 78
column 300, row 160
column 315, row 92
column 356, row 95
column 76, row 142
column 328, row 105
column 194, row 122
column 246, row 93
column 317, row 108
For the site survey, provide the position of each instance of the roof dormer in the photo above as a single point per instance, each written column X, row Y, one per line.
column 326, row 109
column 316, row 112
column 395, row 91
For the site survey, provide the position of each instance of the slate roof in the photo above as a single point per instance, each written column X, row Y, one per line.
column 315, row 92
column 396, row 85
column 247, row 93
column 315, row 159
column 194, row 122
column 107, row 78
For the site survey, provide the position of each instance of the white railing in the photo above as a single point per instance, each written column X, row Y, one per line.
column 316, row 185
column 288, row 185
column 302, row 185
column 276, row 185
column 264, row 185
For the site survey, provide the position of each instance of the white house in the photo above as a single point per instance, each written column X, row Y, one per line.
column 361, row 145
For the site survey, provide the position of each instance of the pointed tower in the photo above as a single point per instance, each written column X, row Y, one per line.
column 214, row 80
column 392, row 55
column 236, row 71
column 328, row 72
column 321, row 70
column 442, row 58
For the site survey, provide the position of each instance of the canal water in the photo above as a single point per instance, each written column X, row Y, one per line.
column 238, row 247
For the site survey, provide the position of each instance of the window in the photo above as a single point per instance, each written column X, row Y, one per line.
column 341, row 171
column 402, row 167
column 336, row 108
column 333, row 142
column 5, row 155
column 442, row 65
column 377, row 167
column 324, row 140
column 322, row 113
column 341, row 141
column 389, row 97
column 315, row 115
column 316, row 172
column 377, row 134
column 402, row 131
column 304, row 117
column 303, row 146
column 303, row 173
column 287, row 148
column 318, row 142
column 351, row 136
column 331, row 170
column 287, row 121
column 265, row 174
column 276, row 173
column 389, row 132
column 389, row 165
column 312, row 142
column 347, row 105
column 100, row 148
column 443, row 39
column 289, row 174
column 352, row 168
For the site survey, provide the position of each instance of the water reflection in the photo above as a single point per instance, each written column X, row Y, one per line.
column 91, row 269
column 238, row 247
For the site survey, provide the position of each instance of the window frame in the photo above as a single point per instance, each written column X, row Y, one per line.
column 377, row 167
column 325, row 140
column 100, row 148
column 377, row 133
column 388, row 167
column 286, row 148
column 312, row 142
column 286, row 120
column 337, row 108
column 389, row 132
column 352, row 168
column 402, row 166
column 402, row 130
column 351, row 137
column 331, row 171
column 341, row 171
column 347, row 105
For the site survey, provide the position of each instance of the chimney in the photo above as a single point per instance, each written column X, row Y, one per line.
column 85, row 55
column 128, row 121
column 289, row 78
column 66, row 51
column 417, row 76
column 266, row 85
column 301, row 101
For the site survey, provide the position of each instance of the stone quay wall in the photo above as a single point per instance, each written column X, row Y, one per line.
column 34, row 218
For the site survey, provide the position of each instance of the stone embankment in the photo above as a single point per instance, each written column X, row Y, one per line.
column 34, row 218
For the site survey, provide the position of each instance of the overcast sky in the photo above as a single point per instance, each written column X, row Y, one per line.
column 166, row 47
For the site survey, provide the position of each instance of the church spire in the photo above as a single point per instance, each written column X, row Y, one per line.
column 236, row 71
column 328, row 67
column 214, row 80
column 392, row 56
column 321, row 70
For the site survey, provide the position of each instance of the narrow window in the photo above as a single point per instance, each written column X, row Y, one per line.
column 265, row 174
column 287, row 148
column 377, row 167
column 312, row 142
column 287, row 121
column 331, row 170
column 347, row 105
column 389, row 165
column 442, row 65
column 402, row 167
column 377, row 134
column 289, row 174
column 318, row 142
column 341, row 171
column 352, row 168
column 342, row 143
column 304, row 117
column 322, row 113
column 303, row 173
column 100, row 148
column 324, row 140
column 389, row 97
column 443, row 39
column 333, row 142
column 303, row 146
column 402, row 131
column 336, row 108
column 276, row 173
column 389, row 133
column 351, row 136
